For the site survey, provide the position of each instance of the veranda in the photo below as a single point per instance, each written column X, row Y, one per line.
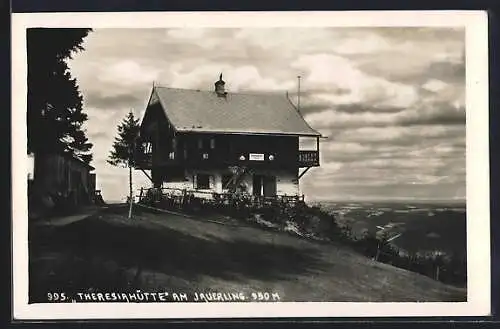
column 192, row 200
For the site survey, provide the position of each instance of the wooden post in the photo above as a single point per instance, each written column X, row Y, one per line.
column 149, row 177
column 131, row 195
column 183, row 198
column 298, row 94
column 317, row 148
column 140, row 195
column 131, row 163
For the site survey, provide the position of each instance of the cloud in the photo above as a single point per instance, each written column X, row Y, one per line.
column 331, row 71
column 240, row 78
column 448, row 71
column 369, row 43
column 186, row 34
column 438, row 113
column 128, row 73
column 401, row 135
column 434, row 85
column 99, row 99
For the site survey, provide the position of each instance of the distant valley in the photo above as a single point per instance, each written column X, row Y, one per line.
column 423, row 227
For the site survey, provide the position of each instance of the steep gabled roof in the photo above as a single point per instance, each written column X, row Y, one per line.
column 237, row 113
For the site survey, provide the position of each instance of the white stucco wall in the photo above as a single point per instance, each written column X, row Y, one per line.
column 189, row 183
column 286, row 183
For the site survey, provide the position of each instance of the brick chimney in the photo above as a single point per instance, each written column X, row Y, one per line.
column 219, row 87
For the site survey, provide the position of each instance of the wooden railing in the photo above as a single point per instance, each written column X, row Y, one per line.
column 183, row 197
column 308, row 158
column 305, row 159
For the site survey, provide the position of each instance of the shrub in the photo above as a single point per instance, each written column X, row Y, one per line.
column 435, row 264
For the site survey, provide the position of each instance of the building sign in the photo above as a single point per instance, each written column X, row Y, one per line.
column 256, row 157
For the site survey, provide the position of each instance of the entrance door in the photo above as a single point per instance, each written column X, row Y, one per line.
column 269, row 183
column 257, row 185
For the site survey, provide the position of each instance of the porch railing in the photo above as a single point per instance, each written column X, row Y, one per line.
column 184, row 198
column 308, row 158
column 305, row 159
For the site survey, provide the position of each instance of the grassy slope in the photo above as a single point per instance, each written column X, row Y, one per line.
column 159, row 252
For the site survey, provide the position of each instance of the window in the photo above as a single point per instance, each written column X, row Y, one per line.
column 148, row 147
column 204, row 143
column 31, row 166
column 202, row 181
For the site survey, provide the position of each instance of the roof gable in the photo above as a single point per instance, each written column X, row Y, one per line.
column 243, row 113
column 154, row 112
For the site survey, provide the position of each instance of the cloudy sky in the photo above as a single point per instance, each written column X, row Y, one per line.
column 390, row 100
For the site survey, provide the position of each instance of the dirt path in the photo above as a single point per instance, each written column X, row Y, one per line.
column 66, row 220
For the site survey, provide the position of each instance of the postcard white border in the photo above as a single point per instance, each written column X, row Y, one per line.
column 477, row 164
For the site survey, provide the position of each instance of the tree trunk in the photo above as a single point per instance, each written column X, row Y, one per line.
column 130, row 192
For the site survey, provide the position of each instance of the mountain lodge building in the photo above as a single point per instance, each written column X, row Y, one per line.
column 215, row 141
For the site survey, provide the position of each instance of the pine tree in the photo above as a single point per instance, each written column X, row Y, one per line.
column 125, row 149
column 55, row 113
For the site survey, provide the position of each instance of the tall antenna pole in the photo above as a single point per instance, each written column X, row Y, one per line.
column 298, row 94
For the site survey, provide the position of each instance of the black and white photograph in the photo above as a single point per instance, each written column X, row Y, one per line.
column 239, row 165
